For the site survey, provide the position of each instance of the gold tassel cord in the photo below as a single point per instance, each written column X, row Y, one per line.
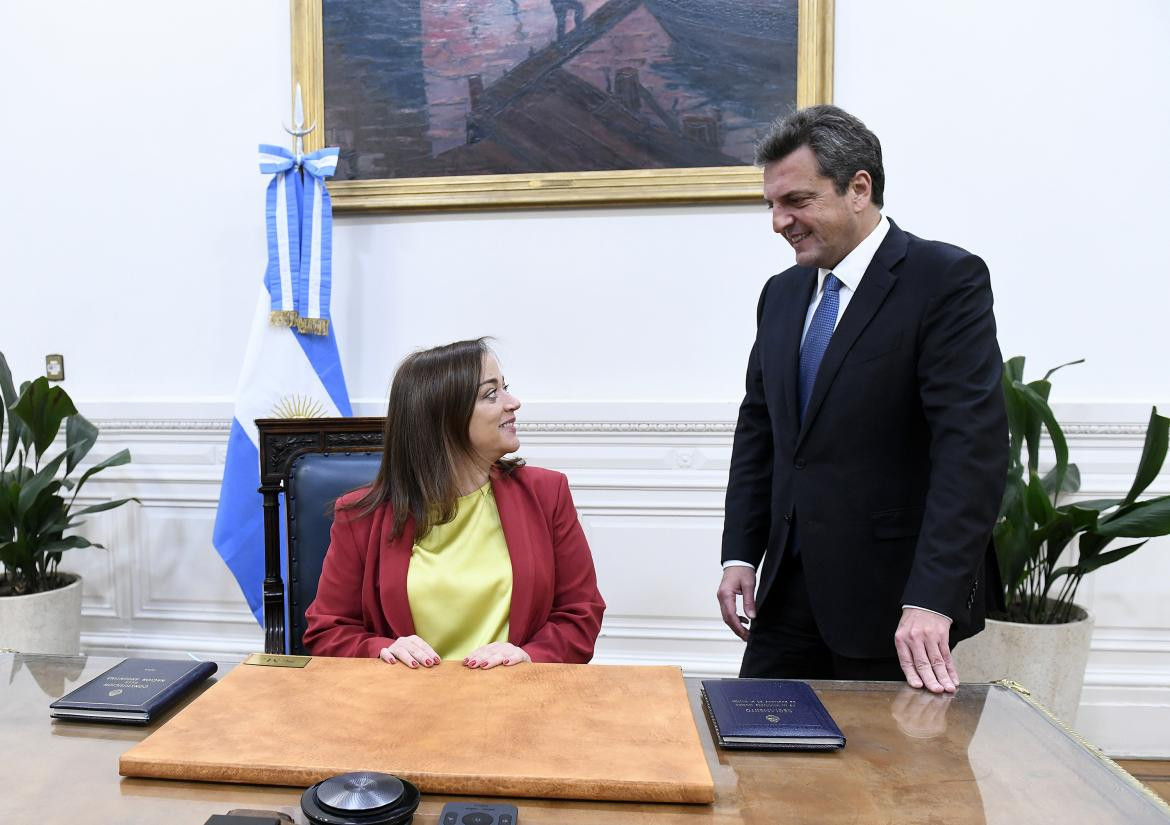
column 1089, row 747
column 306, row 326
column 313, row 326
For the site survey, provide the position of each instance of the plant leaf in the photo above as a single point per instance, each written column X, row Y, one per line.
column 80, row 436
column 9, row 495
column 1039, row 506
column 1039, row 406
column 1091, row 543
column 1042, row 387
column 1048, row 374
column 15, row 555
column 117, row 459
column 1145, row 519
column 42, row 408
column 1017, row 411
column 1153, row 454
column 9, row 396
column 1062, row 528
column 1012, row 552
column 1013, row 493
column 1033, row 420
column 99, row 508
column 1089, row 565
column 1013, row 368
column 68, row 543
column 1069, row 484
column 45, row 518
column 1067, row 570
column 1011, row 533
column 31, row 489
column 1098, row 504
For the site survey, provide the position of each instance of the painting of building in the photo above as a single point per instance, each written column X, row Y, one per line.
column 422, row 88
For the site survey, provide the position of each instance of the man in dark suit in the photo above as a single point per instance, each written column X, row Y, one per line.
column 871, row 448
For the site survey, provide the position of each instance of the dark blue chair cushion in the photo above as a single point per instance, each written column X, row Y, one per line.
column 315, row 480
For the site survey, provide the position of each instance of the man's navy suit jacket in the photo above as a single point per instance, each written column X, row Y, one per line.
column 894, row 476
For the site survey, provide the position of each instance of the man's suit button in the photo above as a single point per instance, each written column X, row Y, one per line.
column 788, row 518
column 799, row 464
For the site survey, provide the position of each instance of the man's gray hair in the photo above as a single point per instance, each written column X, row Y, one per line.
column 840, row 142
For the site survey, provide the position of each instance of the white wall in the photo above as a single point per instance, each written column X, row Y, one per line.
column 1033, row 133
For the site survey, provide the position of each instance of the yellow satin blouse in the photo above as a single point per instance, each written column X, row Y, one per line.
column 460, row 579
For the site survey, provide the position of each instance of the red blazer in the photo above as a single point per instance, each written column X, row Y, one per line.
column 362, row 604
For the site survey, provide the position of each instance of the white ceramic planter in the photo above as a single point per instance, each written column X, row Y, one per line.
column 47, row 622
column 1047, row 659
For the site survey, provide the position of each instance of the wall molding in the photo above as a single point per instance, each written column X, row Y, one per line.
column 1075, row 429
column 168, row 425
column 134, row 426
column 1087, row 418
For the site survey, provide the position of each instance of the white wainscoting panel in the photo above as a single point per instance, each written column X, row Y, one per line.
column 160, row 586
column 648, row 481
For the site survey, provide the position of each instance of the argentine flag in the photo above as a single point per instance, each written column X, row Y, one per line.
column 286, row 374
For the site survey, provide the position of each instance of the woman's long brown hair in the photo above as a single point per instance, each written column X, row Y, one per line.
column 426, row 439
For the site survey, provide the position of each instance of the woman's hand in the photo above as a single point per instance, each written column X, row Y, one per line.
column 497, row 653
column 411, row 651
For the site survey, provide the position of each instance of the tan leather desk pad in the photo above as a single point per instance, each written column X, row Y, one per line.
column 552, row 731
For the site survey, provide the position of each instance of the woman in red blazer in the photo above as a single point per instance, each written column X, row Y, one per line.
column 450, row 422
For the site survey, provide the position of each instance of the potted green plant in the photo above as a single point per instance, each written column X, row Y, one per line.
column 40, row 605
column 1045, row 548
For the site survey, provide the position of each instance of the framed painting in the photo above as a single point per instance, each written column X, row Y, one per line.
column 461, row 104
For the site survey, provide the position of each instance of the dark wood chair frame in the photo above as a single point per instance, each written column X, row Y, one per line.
column 281, row 441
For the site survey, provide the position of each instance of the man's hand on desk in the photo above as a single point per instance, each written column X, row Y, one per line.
column 497, row 653
column 411, row 651
column 924, row 651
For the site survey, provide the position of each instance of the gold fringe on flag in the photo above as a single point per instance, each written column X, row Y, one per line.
column 282, row 317
column 313, row 326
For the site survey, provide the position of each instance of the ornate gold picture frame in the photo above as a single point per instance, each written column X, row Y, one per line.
column 692, row 184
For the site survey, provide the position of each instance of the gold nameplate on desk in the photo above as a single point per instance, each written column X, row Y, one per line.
column 277, row 660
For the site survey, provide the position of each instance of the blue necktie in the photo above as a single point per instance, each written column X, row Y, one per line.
column 816, row 340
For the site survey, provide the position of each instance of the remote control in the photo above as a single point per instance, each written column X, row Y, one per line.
column 477, row 813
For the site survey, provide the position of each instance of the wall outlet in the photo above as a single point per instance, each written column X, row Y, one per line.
column 55, row 367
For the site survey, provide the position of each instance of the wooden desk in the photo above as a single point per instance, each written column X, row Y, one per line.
column 983, row 756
